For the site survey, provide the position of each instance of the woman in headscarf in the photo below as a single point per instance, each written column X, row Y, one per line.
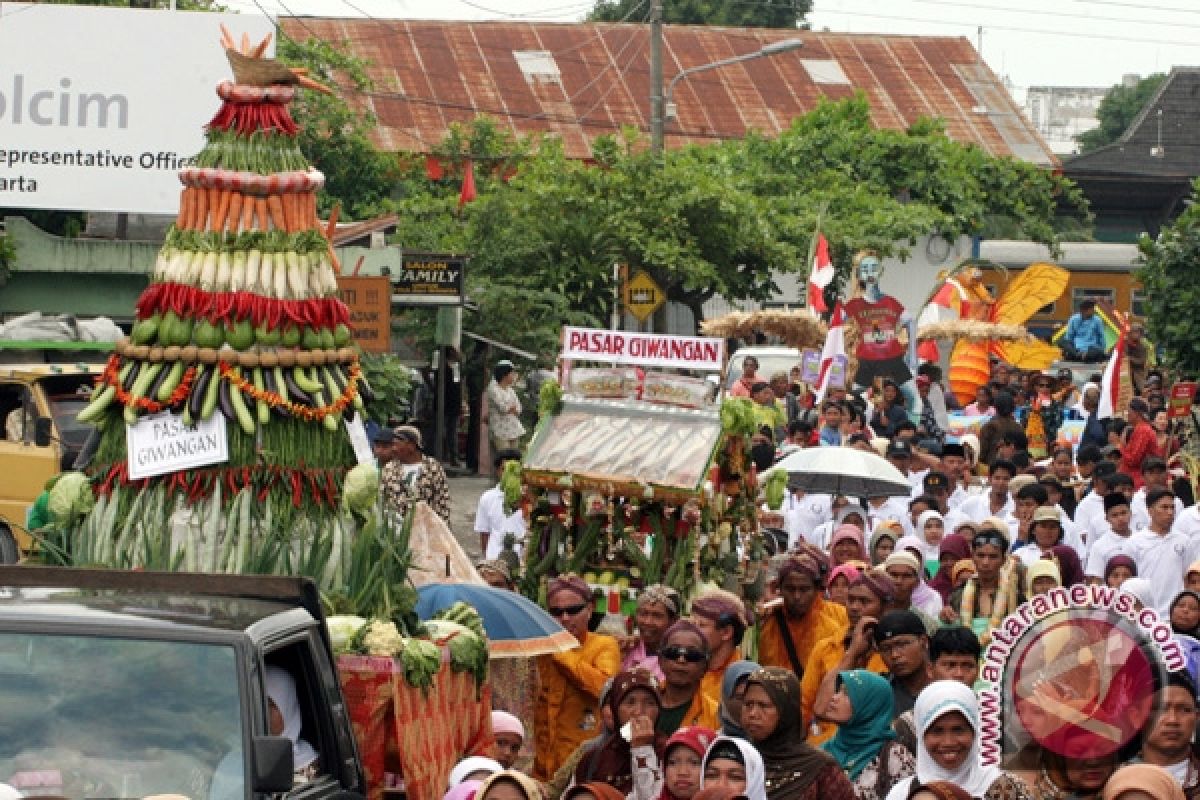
column 633, row 700
column 567, row 712
column 839, row 582
column 733, row 686
column 912, row 594
column 1191, row 578
column 733, row 765
column 953, row 549
column 1119, row 569
column 592, row 791
column 509, row 785
column 463, row 791
column 1138, row 781
column 847, row 544
column 865, row 744
column 867, row 600
column 930, row 530
column 790, row 629
column 284, row 706
column 849, row 514
column 883, row 540
column 1185, row 613
column 1041, row 576
column 473, row 768
column 949, row 749
column 795, row 769
column 1060, row 778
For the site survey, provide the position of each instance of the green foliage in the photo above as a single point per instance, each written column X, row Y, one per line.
column 1117, row 110
column 334, row 136
column 390, row 380
column 1168, row 276
column 729, row 13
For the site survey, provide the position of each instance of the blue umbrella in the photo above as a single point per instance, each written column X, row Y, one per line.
column 515, row 626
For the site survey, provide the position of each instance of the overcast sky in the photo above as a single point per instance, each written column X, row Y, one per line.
column 1032, row 42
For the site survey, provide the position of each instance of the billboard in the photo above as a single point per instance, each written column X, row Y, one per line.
column 101, row 107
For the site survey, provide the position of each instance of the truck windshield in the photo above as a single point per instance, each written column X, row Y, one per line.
column 90, row 717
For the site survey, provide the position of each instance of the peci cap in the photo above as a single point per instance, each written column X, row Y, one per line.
column 899, row 623
column 383, row 436
column 936, row 480
column 954, row 449
column 1153, row 464
column 898, row 448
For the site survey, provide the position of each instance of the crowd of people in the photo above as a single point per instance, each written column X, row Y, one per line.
column 855, row 677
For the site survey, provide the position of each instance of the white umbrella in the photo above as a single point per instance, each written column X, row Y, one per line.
column 843, row 470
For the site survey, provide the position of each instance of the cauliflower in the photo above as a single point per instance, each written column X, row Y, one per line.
column 383, row 639
column 360, row 491
column 71, row 496
column 342, row 630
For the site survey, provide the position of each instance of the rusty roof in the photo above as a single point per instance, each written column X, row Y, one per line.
column 580, row 81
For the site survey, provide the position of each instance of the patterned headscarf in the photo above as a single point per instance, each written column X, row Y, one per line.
column 803, row 564
column 665, row 596
column 573, row 584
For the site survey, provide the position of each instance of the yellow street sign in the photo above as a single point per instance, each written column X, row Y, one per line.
column 643, row 296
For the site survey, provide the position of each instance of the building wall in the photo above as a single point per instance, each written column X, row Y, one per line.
column 1061, row 113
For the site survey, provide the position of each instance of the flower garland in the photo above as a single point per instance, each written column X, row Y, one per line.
column 111, row 377
column 1005, row 599
column 298, row 410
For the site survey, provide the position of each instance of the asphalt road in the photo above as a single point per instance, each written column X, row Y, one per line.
column 464, row 497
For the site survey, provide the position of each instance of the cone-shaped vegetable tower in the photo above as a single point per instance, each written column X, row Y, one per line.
column 241, row 319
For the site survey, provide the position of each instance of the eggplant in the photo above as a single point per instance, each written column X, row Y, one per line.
column 157, row 383
column 131, row 378
column 295, row 393
column 272, row 387
column 225, row 402
column 195, row 401
column 364, row 388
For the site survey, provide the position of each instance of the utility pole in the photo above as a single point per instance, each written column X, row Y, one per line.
column 657, row 108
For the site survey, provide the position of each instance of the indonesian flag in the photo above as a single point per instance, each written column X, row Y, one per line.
column 820, row 276
column 1110, row 384
column 835, row 346
column 468, row 185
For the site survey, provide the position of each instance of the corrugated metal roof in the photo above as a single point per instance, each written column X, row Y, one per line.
column 591, row 79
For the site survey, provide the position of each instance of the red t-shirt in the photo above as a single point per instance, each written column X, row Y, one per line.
column 877, row 328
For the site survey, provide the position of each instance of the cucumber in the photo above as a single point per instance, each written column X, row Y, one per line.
column 305, row 382
column 211, row 394
column 239, row 408
column 264, row 410
column 102, row 400
column 170, row 383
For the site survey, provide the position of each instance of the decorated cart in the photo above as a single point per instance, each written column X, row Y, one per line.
column 639, row 472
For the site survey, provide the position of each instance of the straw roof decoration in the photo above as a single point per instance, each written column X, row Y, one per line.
column 799, row 328
column 973, row 331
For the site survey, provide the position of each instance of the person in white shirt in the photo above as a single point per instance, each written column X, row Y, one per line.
column 803, row 513
column 492, row 522
column 1098, row 528
column 1119, row 541
column 1154, row 472
column 1162, row 556
column 1188, row 523
column 996, row 502
column 1047, row 530
column 882, row 509
column 954, row 462
column 937, row 485
column 1089, row 511
column 851, row 514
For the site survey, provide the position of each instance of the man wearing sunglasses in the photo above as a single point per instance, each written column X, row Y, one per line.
column 683, row 658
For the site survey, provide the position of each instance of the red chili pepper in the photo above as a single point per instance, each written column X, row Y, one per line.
column 297, row 489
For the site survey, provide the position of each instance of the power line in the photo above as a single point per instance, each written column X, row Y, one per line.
column 1046, row 13
column 1164, row 9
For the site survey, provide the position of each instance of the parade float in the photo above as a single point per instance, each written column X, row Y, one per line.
column 638, row 472
column 231, row 439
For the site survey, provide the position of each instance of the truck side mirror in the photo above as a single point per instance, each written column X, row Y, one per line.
column 43, row 431
column 272, row 765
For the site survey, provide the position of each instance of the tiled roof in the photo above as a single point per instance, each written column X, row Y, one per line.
column 1163, row 141
column 579, row 81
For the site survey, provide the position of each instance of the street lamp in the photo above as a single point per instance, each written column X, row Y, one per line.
column 667, row 111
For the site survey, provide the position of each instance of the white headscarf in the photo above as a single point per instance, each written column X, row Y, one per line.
column 1140, row 588
column 930, row 550
column 756, row 786
column 471, row 765
column 1078, row 407
column 938, row 699
column 281, row 689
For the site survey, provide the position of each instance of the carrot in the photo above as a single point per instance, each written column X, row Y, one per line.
column 264, row 219
column 245, row 43
column 248, row 213
column 227, row 38
column 201, row 209
column 222, row 210
column 214, row 202
column 181, row 218
column 262, row 46
column 309, row 83
column 235, row 212
column 275, row 206
column 331, row 225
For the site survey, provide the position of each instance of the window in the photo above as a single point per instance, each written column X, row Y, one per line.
column 1137, row 302
column 1079, row 294
column 131, row 717
column 538, row 66
column 309, row 730
column 825, row 71
column 16, row 413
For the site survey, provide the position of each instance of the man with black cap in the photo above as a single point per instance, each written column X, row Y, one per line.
column 903, row 643
column 1141, row 441
column 1119, row 540
column 954, row 464
column 937, row 486
column 412, row 476
column 1154, row 472
column 1089, row 513
column 382, row 441
column 899, row 453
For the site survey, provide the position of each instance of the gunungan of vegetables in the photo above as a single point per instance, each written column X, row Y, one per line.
column 242, row 314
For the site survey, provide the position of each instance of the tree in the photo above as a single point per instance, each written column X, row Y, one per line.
column 729, row 13
column 1118, row 108
column 334, row 136
column 1168, row 276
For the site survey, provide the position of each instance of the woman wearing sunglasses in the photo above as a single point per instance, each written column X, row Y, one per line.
column 683, row 659
column 567, row 712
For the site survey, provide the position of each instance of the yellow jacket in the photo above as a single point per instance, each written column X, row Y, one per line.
column 567, row 712
column 710, row 687
column 824, row 619
column 702, row 712
column 825, row 657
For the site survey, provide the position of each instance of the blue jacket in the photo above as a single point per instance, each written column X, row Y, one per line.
column 1085, row 334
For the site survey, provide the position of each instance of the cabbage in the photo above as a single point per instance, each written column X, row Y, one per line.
column 361, row 488
column 441, row 630
column 342, row 630
column 71, row 497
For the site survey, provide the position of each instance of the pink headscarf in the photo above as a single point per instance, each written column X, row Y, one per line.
column 849, row 571
column 848, row 533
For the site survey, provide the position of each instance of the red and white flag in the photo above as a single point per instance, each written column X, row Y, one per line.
column 1110, row 384
column 468, row 185
column 820, row 276
column 835, row 347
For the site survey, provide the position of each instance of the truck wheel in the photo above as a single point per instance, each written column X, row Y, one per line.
column 9, row 552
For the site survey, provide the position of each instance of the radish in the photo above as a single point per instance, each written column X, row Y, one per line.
column 224, row 269
column 266, row 274
column 237, row 276
column 208, row 271
column 253, row 261
column 281, row 276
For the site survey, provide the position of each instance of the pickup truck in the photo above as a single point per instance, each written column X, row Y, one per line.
column 127, row 684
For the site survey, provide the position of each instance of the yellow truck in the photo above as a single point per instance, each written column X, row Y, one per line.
column 43, row 385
